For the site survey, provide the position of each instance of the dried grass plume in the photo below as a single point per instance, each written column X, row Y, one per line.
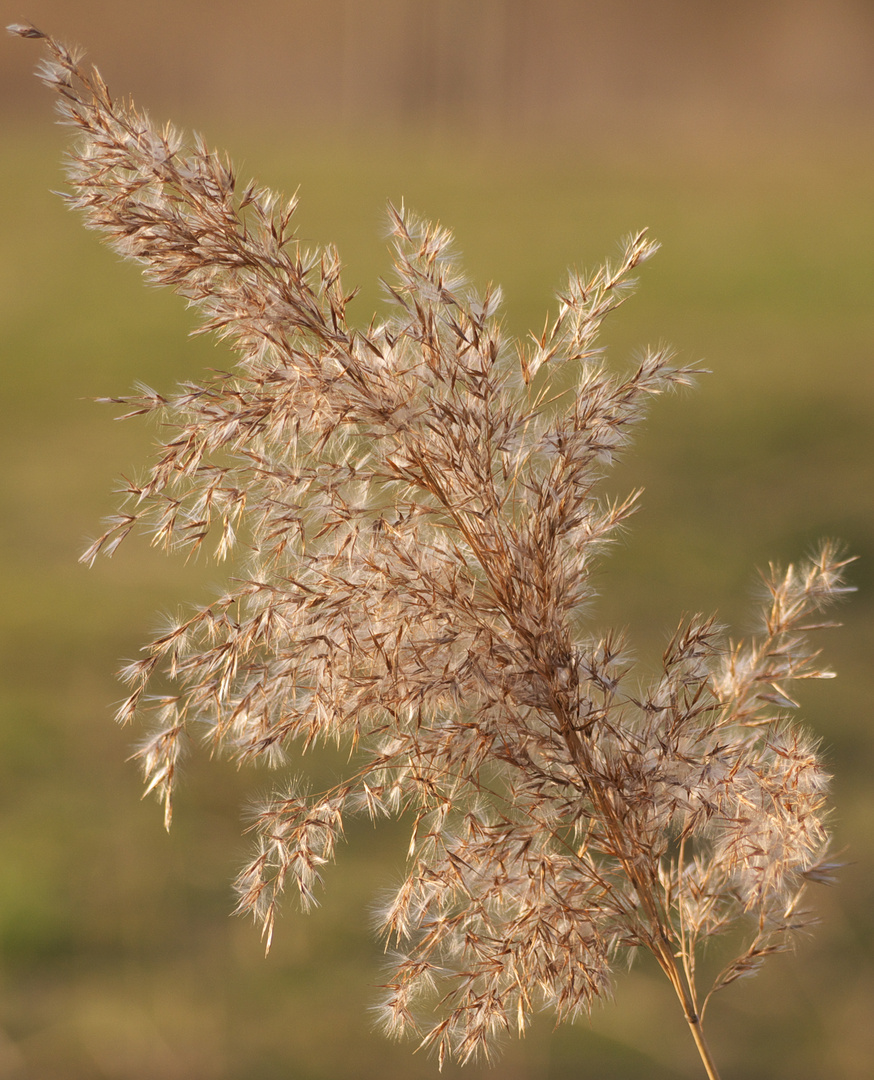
column 412, row 511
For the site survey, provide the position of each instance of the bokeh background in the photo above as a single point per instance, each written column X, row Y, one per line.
column 542, row 131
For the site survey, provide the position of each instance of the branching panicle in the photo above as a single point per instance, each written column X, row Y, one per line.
column 413, row 522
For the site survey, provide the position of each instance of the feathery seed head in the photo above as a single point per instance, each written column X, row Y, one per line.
column 412, row 525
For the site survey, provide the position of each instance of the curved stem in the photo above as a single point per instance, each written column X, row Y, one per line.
column 697, row 1033
column 660, row 944
column 703, row 1049
column 685, row 992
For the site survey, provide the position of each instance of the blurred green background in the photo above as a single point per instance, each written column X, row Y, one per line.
column 541, row 132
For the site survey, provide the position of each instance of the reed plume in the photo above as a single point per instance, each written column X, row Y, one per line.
column 413, row 511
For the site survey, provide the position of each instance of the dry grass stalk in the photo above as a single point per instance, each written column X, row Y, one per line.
column 416, row 519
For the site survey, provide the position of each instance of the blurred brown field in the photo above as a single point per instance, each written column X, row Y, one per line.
column 496, row 67
column 541, row 132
